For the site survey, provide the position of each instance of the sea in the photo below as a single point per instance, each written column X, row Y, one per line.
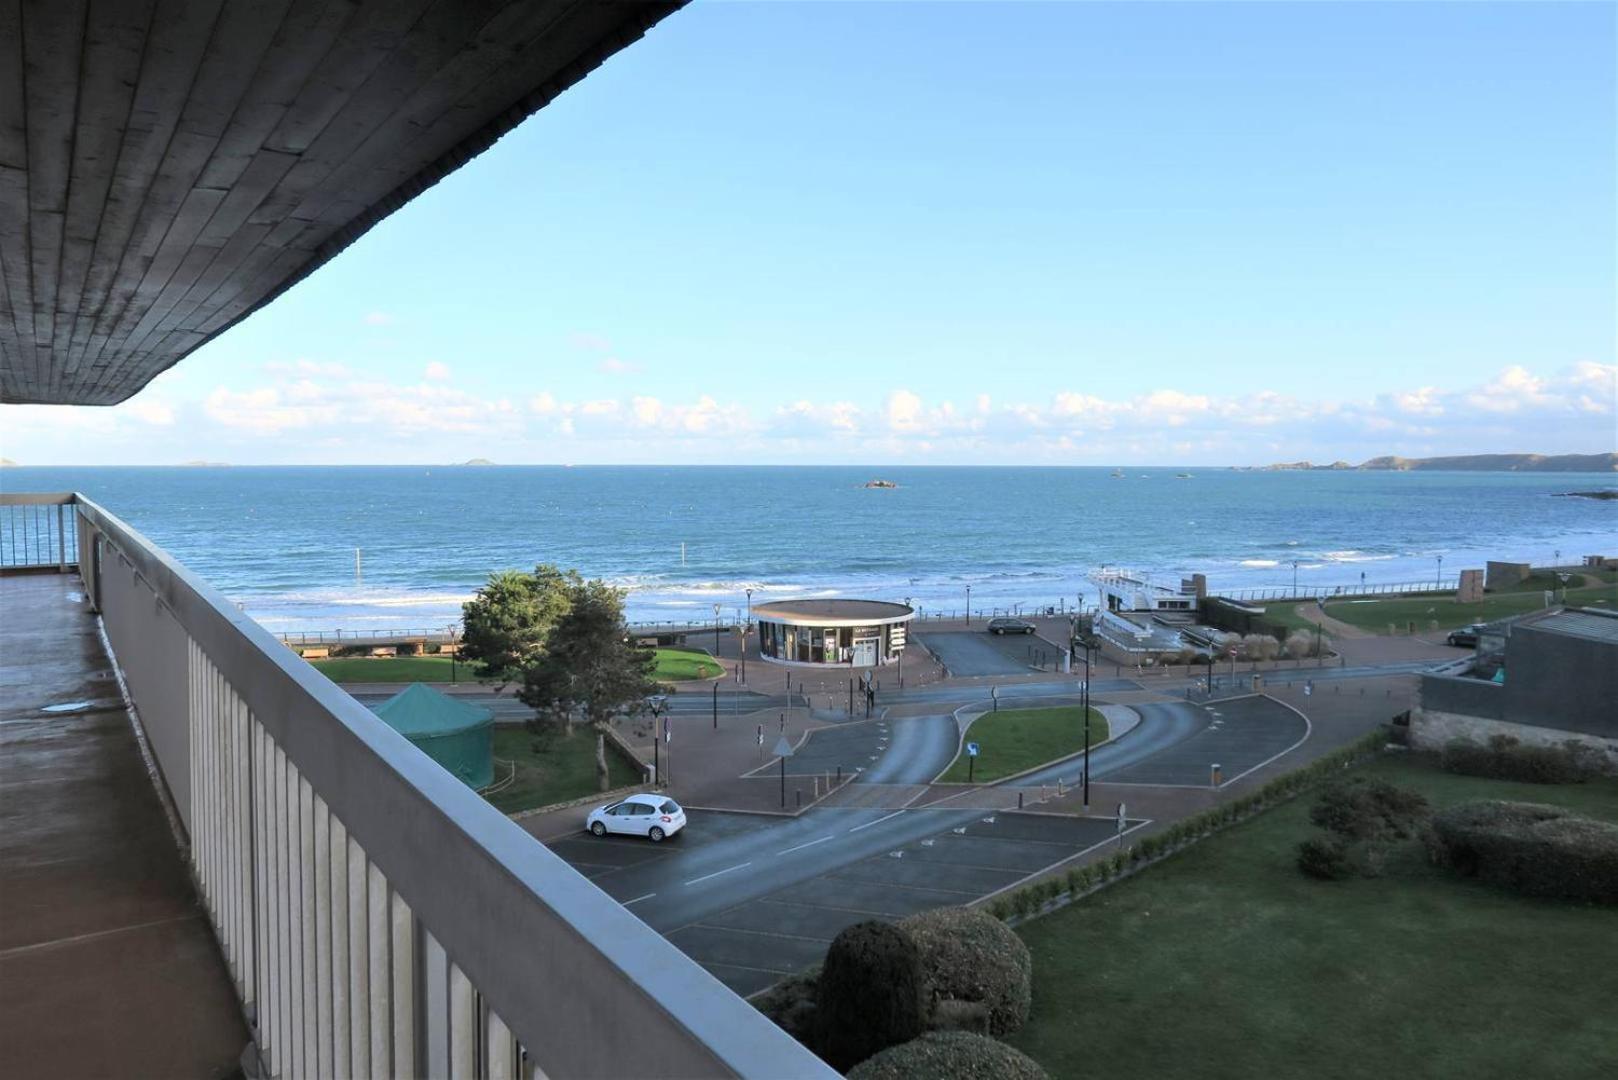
column 402, row 547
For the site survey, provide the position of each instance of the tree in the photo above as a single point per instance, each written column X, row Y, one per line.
column 589, row 664
column 506, row 625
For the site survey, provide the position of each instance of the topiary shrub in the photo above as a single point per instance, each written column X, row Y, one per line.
column 791, row 1004
column 968, row 956
column 958, row 1055
column 871, row 994
column 1369, row 810
column 1505, row 758
column 1530, row 848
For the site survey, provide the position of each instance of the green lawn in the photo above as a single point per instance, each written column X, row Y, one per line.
column 551, row 768
column 1012, row 740
column 400, row 669
column 677, row 665
column 1287, row 614
column 1375, row 615
column 1225, row 961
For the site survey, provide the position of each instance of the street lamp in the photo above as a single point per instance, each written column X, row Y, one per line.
column 749, row 607
column 452, row 651
column 1294, row 578
column 969, row 605
column 658, row 702
column 716, row 629
column 1440, row 583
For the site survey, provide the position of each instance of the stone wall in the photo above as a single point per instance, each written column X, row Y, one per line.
column 1432, row 729
column 1471, row 590
column 1504, row 575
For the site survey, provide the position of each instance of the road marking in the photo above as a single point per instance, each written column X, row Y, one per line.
column 927, row 843
column 800, row 847
column 716, row 873
column 878, row 821
column 638, row 899
column 896, row 854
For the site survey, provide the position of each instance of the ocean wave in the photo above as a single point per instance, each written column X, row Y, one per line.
column 1352, row 556
column 1260, row 562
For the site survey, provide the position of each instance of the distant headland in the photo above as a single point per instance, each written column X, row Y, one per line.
column 1463, row 463
column 478, row 461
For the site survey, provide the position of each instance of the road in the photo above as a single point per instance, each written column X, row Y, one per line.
column 753, row 897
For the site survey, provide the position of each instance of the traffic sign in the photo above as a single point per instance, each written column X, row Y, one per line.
column 971, row 749
column 782, row 747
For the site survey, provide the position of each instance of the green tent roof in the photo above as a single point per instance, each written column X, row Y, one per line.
column 420, row 712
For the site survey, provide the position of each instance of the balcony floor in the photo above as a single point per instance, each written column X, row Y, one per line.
column 108, row 966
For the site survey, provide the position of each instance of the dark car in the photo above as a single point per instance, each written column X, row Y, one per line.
column 1466, row 637
column 1007, row 625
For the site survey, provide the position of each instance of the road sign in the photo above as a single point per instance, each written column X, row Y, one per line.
column 1120, row 819
column 668, row 733
column 761, row 734
column 782, row 747
column 971, row 749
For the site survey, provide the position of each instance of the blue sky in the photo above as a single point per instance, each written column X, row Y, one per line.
column 1044, row 233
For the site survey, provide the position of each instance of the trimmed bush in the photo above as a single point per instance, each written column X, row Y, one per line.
column 1505, row 758
column 871, row 994
column 791, row 1004
column 1530, row 848
column 969, row 956
column 1369, row 810
column 958, row 1055
column 1326, row 858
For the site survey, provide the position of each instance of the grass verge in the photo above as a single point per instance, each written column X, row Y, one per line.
column 1401, row 611
column 680, row 665
column 552, row 768
column 1225, row 961
column 388, row 669
column 1013, row 740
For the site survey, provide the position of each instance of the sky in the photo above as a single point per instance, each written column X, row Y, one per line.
column 951, row 233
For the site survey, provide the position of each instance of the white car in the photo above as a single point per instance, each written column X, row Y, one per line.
column 651, row 816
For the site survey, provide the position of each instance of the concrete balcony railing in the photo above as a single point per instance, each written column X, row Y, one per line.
column 378, row 918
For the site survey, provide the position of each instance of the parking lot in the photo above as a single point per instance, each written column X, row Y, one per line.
column 978, row 652
column 1242, row 733
column 753, row 945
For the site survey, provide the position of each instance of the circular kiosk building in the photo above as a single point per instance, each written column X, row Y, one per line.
column 855, row 633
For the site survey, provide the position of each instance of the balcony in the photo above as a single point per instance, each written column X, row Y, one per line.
column 258, row 869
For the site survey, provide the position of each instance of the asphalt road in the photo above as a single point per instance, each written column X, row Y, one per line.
column 699, row 887
column 966, row 653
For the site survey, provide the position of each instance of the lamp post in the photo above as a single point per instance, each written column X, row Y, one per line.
column 452, row 651
column 749, row 607
column 969, row 605
column 658, row 702
column 1440, row 583
column 745, row 627
column 716, row 629
column 1085, row 698
column 1294, row 578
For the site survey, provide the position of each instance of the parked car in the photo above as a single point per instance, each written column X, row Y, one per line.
column 1007, row 625
column 1466, row 637
column 652, row 816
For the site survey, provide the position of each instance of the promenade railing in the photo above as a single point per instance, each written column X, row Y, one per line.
column 37, row 531
column 378, row 918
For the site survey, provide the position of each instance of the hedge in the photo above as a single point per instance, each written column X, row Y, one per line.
column 1530, row 848
column 1031, row 900
column 968, row 955
column 1505, row 758
column 958, row 1055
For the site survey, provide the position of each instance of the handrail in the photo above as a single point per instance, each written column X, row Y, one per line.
column 567, row 969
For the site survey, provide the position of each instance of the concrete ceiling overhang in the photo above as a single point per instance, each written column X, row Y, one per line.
column 167, row 167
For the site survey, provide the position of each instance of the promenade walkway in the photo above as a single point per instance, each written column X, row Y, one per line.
column 107, row 964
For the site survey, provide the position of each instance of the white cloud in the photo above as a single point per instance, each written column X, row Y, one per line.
column 377, row 318
column 904, row 411
column 437, row 371
column 612, row 365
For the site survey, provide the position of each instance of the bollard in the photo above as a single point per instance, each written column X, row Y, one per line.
column 798, row 792
column 839, row 774
column 1019, row 800
column 1214, row 774
column 1060, row 787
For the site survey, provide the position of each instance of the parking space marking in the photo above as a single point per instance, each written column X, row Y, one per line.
column 716, row 873
column 638, row 899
